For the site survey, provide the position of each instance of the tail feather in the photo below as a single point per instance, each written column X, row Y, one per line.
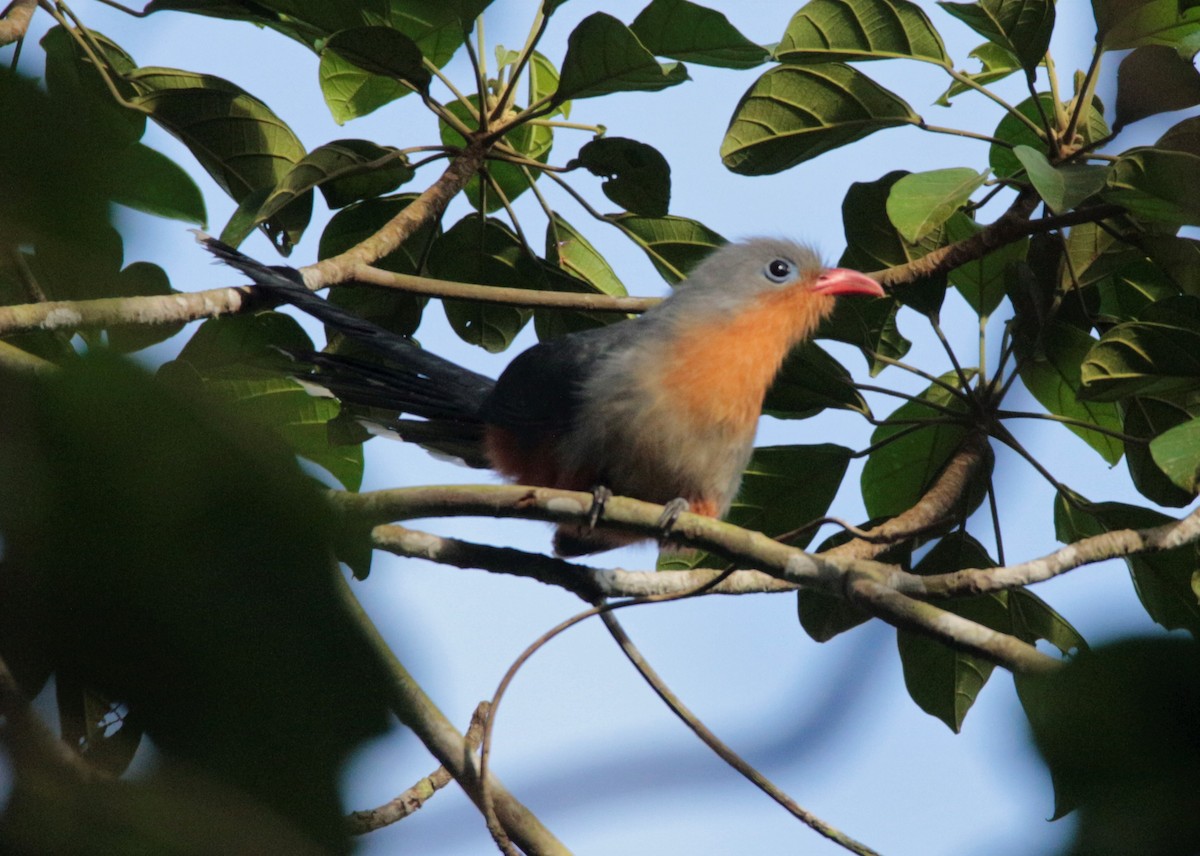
column 406, row 380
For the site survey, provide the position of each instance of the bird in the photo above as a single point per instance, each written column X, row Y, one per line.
column 663, row 407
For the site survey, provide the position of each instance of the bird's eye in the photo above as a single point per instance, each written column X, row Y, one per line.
column 779, row 270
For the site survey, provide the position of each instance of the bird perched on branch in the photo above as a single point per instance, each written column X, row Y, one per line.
column 663, row 407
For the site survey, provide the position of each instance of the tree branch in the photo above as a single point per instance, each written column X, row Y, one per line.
column 394, row 810
column 14, row 22
column 442, row 739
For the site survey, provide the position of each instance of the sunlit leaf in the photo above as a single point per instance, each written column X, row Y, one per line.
column 920, row 202
column 832, row 31
column 1177, row 453
column 675, row 245
column 997, row 63
column 1061, row 187
column 794, row 113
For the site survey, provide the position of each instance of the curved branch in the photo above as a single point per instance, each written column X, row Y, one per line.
column 14, row 23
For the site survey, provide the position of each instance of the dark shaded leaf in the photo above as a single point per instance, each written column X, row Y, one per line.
column 345, row 171
column 1148, row 418
column 1127, row 24
column 138, row 279
column 1145, row 357
column 488, row 253
column 809, row 382
column 1154, row 79
column 981, row 282
column 603, row 56
column 1156, row 185
column 637, row 177
column 686, row 31
column 1022, row 27
column 147, row 180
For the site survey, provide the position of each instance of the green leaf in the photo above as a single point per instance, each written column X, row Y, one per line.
column 382, row 51
column 1154, row 79
column 73, row 79
column 1004, row 162
column 872, row 243
column 1183, row 137
column 236, row 138
column 920, row 202
column 685, row 31
column 582, row 269
column 832, row 31
column 350, row 92
column 1061, row 187
column 1053, row 378
column 1146, row 357
column 783, row 489
column 1163, row 580
column 675, row 245
column 603, row 56
column 1123, row 24
column 1177, row 453
column 942, row 681
column 637, row 177
column 149, row 181
column 794, row 113
column 997, row 63
column 345, row 171
column 488, row 253
column 1157, row 185
column 981, row 281
column 897, row 474
column 393, row 309
column 1147, row 418
column 232, row 342
column 869, row 325
column 283, row 406
column 1022, row 27
column 1033, row 619
column 810, row 381
column 543, row 81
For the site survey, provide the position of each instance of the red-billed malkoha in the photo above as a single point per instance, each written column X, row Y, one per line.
column 660, row 407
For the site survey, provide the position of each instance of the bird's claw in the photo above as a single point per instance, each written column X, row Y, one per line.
column 600, row 497
column 670, row 515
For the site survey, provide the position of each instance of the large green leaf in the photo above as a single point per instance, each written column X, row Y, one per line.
column 72, row 77
column 1154, row 79
column 810, row 381
column 1124, row 24
column 603, row 56
column 920, row 202
column 1177, row 453
column 1147, row 418
column 244, row 146
column 783, row 489
column 833, row 31
column 488, row 253
column 363, row 68
column 942, row 681
column 675, row 245
column 1145, row 357
column 898, row 473
column 1061, row 187
column 1033, row 619
column 147, row 180
column 1015, row 132
column 685, row 31
column 1166, row 582
column 1157, row 185
column 1053, row 378
column 637, row 177
column 1022, row 27
column 794, row 113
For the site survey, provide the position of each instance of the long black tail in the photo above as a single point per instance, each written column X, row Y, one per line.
column 405, row 380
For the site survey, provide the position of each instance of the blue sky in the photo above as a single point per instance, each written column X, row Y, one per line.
column 580, row 738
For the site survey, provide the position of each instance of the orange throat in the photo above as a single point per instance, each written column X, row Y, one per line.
column 722, row 371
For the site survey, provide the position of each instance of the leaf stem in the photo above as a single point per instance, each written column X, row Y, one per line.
column 958, row 132
column 1016, row 114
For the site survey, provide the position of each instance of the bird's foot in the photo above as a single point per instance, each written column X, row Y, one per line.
column 600, row 497
column 670, row 515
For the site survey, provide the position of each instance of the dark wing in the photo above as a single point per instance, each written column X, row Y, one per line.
column 537, row 396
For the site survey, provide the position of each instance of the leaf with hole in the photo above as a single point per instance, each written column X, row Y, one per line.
column 997, row 63
column 636, row 176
